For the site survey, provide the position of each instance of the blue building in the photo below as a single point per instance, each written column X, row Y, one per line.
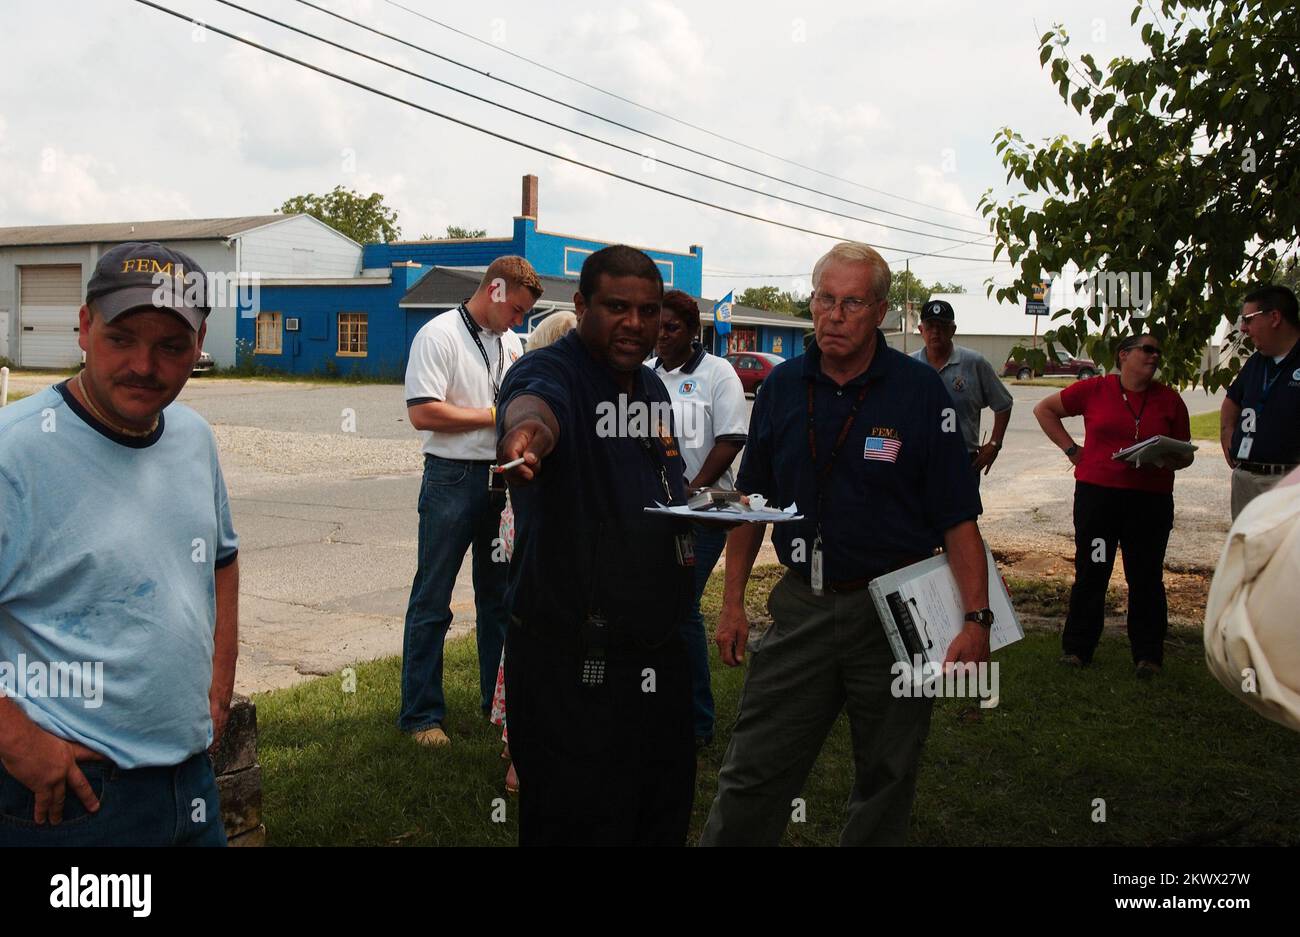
column 366, row 322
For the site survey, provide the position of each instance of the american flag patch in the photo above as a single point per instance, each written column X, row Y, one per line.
column 882, row 449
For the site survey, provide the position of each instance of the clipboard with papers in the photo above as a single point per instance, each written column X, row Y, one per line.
column 1153, row 448
column 921, row 610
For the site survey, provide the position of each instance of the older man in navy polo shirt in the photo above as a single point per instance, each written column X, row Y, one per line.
column 855, row 434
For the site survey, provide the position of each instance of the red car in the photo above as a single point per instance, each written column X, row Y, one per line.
column 753, row 368
column 1062, row 364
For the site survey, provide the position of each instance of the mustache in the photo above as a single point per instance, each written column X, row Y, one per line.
column 135, row 381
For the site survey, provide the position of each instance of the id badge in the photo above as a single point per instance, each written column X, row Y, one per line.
column 816, row 573
column 1243, row 451
column 685, row 549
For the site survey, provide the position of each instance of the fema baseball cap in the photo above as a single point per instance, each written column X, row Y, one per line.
column 937, row 309
column 140, row 275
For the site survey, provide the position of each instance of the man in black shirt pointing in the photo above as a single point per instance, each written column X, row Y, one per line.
column 596, row 672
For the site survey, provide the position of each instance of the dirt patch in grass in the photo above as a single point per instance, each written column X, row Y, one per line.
column 1039, row 583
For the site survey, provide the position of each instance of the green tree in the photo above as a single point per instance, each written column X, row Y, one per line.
column 767, row 297
column 1289, row 274
column 365, row 219
column 456, row 231
column 906, row 284
column 1190, row 177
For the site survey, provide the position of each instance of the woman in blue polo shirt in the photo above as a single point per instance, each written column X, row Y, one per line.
column 711, row 422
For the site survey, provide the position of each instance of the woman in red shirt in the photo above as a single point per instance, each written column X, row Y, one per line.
column 1118, row 504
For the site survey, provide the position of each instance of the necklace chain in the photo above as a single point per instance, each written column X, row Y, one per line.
column 95, row 412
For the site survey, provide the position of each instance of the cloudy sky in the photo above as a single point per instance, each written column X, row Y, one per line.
column 112, row 111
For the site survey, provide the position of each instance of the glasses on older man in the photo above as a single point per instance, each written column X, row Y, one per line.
column 852, row 305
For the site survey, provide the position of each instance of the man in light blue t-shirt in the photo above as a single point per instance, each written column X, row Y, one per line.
column 118, row 578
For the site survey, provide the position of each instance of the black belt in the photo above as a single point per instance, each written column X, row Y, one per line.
column 1265, row 468
column 844, row 586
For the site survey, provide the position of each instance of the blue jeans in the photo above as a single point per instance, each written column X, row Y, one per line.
column 171, row 806
column 456, row 512
column 709, row 541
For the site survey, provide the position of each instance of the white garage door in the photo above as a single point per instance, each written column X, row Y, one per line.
column 49, row 300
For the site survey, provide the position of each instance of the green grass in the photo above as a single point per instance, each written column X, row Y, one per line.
column 1051, row 597
column 1206, row 426
column 16, row 395
column 1176, row 759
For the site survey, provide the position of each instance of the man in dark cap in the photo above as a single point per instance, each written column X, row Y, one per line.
column 118, row 578
column 971, row 381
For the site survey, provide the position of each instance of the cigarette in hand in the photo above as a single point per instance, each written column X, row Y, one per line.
column 511, row 464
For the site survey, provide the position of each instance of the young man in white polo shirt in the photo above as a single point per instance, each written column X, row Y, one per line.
column 711, row 422
column 457, row 363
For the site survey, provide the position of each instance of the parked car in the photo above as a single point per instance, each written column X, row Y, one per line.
column 753, row 368
column 1062, row 364
column 204, row 364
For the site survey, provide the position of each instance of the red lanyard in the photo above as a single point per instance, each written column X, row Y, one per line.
column 825, row 471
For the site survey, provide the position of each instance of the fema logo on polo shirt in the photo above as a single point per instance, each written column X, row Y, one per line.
column 1295, row 375
column 882, row 445
column 688, row 387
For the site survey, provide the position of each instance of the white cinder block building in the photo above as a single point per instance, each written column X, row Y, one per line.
column 44, row 270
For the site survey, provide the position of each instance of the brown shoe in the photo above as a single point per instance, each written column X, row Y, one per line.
column 512, row 780
column 1071, row 660
column 1147, row 669
column 432, row 736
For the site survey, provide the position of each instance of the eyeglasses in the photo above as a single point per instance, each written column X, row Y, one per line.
column 851, row 305
column 1245, row 320
column 1150, row 350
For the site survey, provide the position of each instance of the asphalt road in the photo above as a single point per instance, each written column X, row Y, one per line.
column 323, row 480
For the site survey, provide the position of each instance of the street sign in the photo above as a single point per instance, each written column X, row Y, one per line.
column 1036, row 304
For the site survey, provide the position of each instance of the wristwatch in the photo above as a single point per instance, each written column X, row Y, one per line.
column 983, row 618
column 1069, row 453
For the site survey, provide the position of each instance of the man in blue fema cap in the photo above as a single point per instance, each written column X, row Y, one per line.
column 971, row 381
column 118, row 578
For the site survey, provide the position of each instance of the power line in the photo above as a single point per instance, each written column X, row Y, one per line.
column 500, row 136
column 677, row 120
column 578, row 133
column 609, row 120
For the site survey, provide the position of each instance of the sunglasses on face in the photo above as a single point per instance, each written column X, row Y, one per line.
column 1152, row 350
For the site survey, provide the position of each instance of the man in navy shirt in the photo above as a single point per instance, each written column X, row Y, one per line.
column 596, row 671
column 1259, row 422
column 857, row 436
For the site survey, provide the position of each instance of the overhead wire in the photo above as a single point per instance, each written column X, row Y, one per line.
column 578, row 133
column 524, row 145
column 671, row 117
column 609, row 120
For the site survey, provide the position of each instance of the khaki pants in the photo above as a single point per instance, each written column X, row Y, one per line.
column 1247, row 486
column 822, row 654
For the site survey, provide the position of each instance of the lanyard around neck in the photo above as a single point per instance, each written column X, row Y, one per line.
column 1137, row 417
column 821, row 474
column 473, row 328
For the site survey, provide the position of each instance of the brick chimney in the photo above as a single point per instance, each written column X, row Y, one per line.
column 529, row 209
